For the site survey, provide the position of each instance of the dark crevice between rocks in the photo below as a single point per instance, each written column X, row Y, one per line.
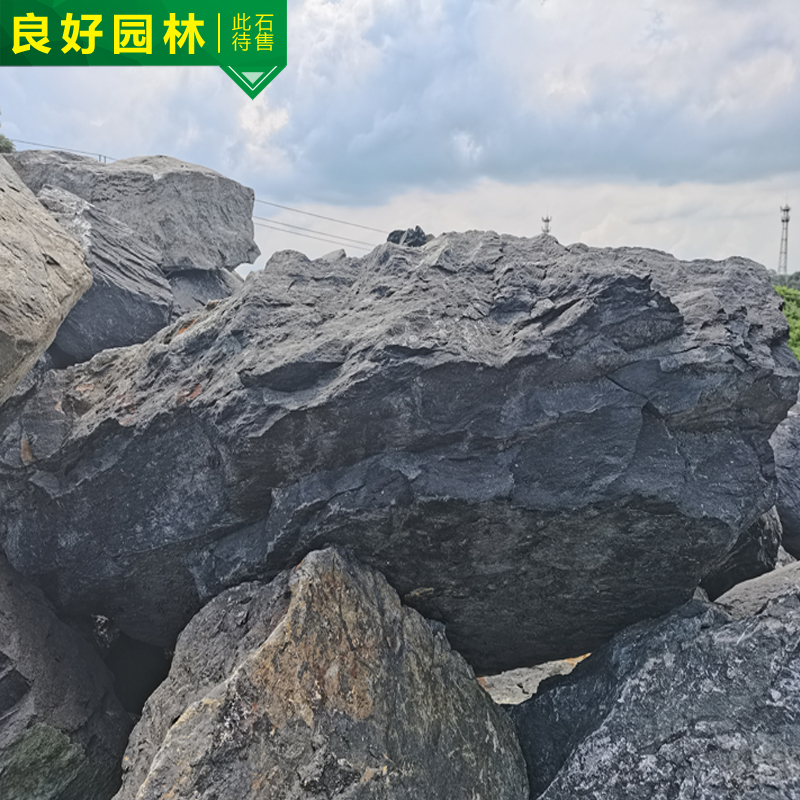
column 138, row 669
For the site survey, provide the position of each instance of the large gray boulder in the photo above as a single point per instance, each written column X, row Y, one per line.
column 130, row 299
column 62, row 731
column 42, row 275
column 786, row 446
column 695, row 706
column 538, row 445
column 320, row 684
column 195, row 217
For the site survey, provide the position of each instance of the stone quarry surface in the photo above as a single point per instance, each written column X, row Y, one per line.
column 538, row 445
column 42, row 276
column 320, row 684
column 695, row 705
column 130, row 299
column 786, row 445
column 755, row 552
column 62, row 731
column 195, row 217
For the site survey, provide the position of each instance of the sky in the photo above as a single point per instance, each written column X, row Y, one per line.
column 669, row 124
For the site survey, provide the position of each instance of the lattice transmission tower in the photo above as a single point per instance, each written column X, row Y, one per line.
column 546, row 224
column 783, row 258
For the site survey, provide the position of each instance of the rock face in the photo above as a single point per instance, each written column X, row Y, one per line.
column 320, row 684
column 537, row 445
column 695, row 705
column 786, row 445
column 193, row 216
column 62, row 731
column 193, row 288
column 42, row 275
column 755, row 552
column 130, row 299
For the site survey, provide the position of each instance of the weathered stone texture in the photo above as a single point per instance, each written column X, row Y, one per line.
column 62, row 731
column 786, row 445
column 320, row 684
column 195, row 217
column 492, row 422
column 42, row 275
column 694, row 706
column 130, row 299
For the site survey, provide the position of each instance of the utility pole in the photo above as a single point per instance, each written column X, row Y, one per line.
column 546, row 224
column 783, row 258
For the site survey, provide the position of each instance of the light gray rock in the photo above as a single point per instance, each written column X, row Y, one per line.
column 320, row 684
column 517, row 685
column 694, row 706
column 537, row 445
column 195, row 217
column 786, row 446
column 751, row 597
column 62, row 731
column 193, row 288
column 755, row 552
column 130, row 299
column 42, row 276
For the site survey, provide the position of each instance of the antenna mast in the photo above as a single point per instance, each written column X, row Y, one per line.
column 783, row 258
column 546, row 224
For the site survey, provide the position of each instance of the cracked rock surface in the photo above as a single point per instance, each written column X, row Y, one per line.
column 42, row 275
column 538, row 445
column 698, row 705
column 320, row 684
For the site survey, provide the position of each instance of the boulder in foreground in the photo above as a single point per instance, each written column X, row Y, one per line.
column 695, row 706
column 320, row 684
column 42, row 275
column 537, row 445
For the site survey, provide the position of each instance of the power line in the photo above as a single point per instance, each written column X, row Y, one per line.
column 353, row 242
column 311, row 230
column 68, row 149
column 320, row 216
column 309, row 236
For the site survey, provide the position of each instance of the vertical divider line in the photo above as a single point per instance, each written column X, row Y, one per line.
column 219, row 15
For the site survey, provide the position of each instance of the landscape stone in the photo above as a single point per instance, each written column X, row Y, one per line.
column 694, row 706
column 755, row 552
column 320, row 685
column 786, row 446
column 130, row 299
column 751, row 597
column 194, row 217
column 42, row 275
column 62, row 731
column 538, row 445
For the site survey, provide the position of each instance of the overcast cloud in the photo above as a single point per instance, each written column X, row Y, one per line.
column 672, row 123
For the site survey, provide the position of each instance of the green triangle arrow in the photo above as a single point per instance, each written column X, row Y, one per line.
column 253, row 82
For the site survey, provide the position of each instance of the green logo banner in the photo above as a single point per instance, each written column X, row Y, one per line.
column 247, row 39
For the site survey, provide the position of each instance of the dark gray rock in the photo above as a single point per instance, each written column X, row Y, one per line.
column 755, row 552
column 538, row 445
column 694, row 706
column 42, row 275
column 193, row 288
column 62, row 731
column 130, row 299
column 195, row 217
column 320, row 684
column 786, row 446
column 411, row 237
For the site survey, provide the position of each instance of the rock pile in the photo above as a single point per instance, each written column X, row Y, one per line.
column 305, row 487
